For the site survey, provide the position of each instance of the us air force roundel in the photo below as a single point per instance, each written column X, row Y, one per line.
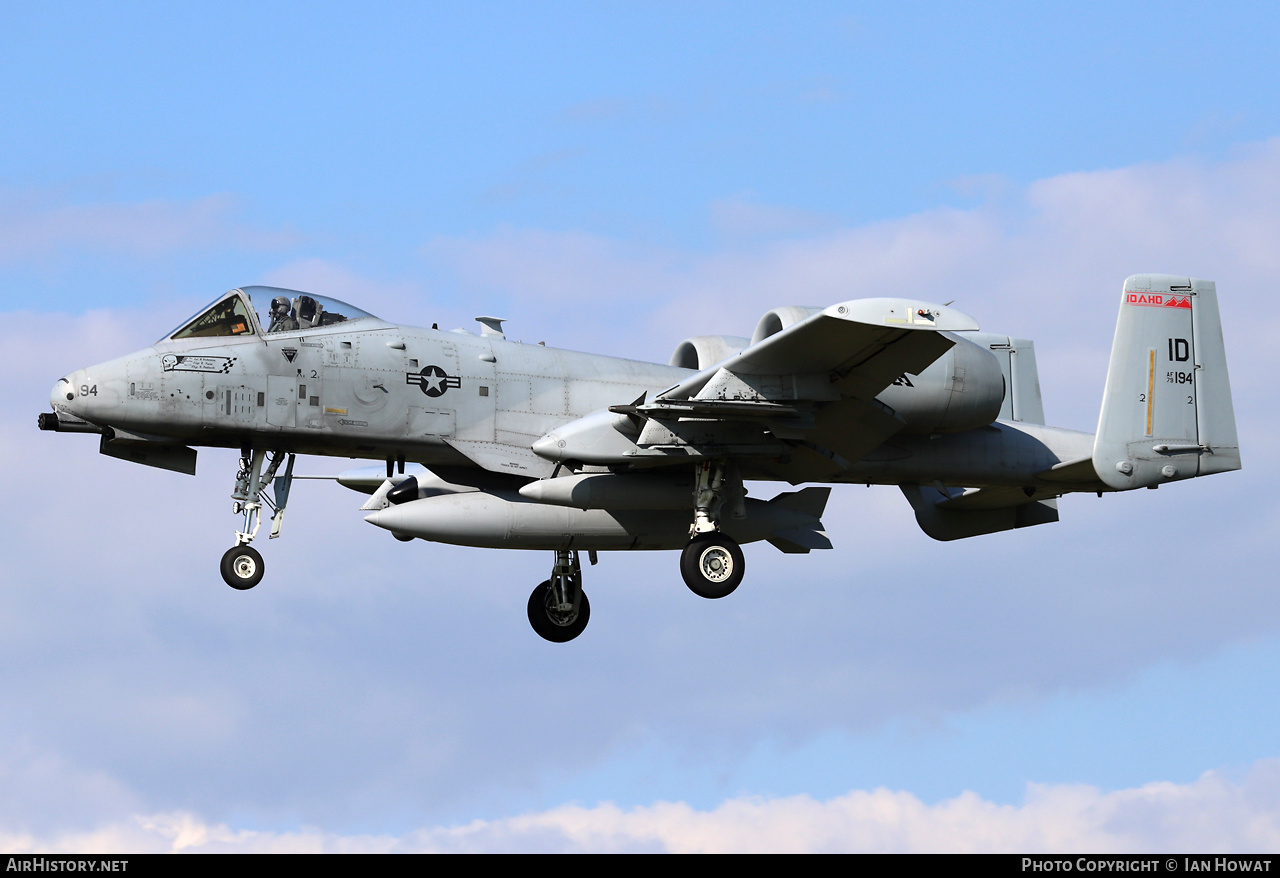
column 433, row 380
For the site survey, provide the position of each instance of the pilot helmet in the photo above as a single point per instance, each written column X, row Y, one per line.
column 280, row 305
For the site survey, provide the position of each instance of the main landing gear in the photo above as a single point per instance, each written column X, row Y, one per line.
column 712, row 564
column 242, row 567
column 558, row 608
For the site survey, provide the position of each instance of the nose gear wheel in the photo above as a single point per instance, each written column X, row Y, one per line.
column 242, row 567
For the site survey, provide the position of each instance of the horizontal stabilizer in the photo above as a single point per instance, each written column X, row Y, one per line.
column 937, row 516
column 1076, row 472
column 992, row 498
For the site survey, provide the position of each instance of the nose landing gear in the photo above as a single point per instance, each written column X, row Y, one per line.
column 242, row 566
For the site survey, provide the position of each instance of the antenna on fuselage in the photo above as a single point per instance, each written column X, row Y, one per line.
column 492, row 327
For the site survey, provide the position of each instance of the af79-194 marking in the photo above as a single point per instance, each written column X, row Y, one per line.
column 507, row 445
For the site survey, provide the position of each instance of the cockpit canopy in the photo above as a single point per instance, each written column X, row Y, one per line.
column 285, row 311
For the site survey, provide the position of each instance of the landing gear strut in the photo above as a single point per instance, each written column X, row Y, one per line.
column 242, row 567
column 558, row 608
column 712, row 564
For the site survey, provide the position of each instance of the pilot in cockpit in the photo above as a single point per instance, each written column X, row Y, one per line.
column 281, row 319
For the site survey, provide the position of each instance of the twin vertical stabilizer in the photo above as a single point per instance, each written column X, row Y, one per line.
column 1166, row 411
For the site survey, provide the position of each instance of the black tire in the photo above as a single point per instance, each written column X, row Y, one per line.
column 549, row 624
column 712, row 565
column 242, row 567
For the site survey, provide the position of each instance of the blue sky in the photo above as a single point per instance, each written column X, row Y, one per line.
column 617, row 178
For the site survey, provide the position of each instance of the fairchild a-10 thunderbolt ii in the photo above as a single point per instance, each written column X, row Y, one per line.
column 494, row 443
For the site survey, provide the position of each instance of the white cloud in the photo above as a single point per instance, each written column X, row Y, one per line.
column 1210, row 815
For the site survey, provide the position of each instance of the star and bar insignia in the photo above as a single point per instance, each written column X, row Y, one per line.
column 433, row 380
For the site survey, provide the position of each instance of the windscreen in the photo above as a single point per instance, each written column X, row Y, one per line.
column 280, row 310
column 228, row 317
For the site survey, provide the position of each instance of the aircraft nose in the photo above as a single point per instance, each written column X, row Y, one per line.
column 63, row 395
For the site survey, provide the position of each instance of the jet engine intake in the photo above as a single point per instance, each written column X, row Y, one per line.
column 779, row 319
column 703, row 351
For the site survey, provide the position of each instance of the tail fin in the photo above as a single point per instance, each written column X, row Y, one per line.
column 1166, row 412
column 1017, row 358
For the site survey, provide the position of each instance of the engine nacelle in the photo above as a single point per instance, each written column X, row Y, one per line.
column 780, row 318
column 961, row 390
column 703, row 351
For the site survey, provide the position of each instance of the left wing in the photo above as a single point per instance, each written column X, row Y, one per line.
column 863, row 345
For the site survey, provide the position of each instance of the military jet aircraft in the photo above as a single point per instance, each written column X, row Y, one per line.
column 493, row 443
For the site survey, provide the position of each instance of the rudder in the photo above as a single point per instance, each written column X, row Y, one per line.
column 1166, row 411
